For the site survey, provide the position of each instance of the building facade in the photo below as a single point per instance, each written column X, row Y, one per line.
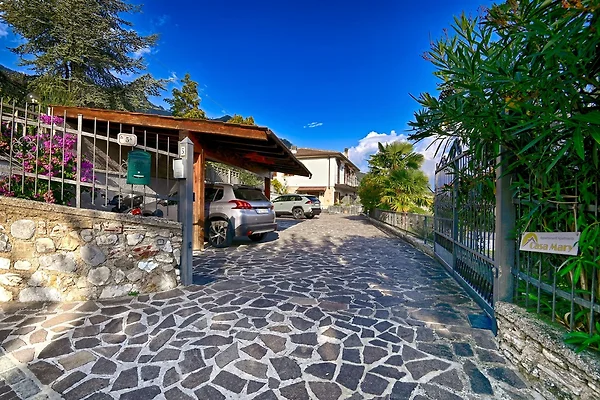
column 334, row 177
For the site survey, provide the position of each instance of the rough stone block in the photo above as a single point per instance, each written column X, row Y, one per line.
column 147, row 265
column 5, row 295
column 164, row 258
column 4, row 263
column 135, row 275
column 10, row 279
column 107, row 240
column 59, row 262
column 164, row 281
column 23, row 265
column 59, row 231
column 553, row 358
column 38, row 278
column 39, row 294
column 92, row 255
column 4, row 243
column 116, row 291
column 44, row 245
column 70, row 242
column 177, row 256
column 98, row 276
column 168, row 267
column 133, row 239
column 42, row 228
column 23, row 229
column 87, row 235
column 119, row 276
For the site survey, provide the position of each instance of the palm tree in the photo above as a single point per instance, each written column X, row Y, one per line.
column 396, row 167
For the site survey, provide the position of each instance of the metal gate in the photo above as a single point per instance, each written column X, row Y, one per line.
column 464, row 222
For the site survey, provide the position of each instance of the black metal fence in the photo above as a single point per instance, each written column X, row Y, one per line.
column 541, row 283
column 45, row 157
column 417, row 225
column 464, row 227
column 472, row 241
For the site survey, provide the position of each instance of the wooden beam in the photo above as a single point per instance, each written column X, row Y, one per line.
column 197, row 126
column 268, row 188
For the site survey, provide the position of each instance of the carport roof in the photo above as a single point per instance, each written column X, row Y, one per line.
column 254, row 148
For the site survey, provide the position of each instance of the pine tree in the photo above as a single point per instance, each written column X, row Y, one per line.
column 79, row 49
column 186, row 102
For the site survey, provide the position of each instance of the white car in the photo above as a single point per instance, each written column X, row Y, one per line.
column 297, row 205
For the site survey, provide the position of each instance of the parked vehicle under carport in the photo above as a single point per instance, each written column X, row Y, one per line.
column 233, row 210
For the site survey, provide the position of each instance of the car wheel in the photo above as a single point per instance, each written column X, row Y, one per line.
column 219, row 233
column 298, row 213
column 310, row 216
column 257, row 237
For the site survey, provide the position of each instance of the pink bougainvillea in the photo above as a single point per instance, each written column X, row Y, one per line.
column 47, row 153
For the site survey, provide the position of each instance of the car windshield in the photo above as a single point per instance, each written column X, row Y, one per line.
column 249, row 194
column 313, row 198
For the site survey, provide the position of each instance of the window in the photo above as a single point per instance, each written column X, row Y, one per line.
column 209, row 194
column 249, row 194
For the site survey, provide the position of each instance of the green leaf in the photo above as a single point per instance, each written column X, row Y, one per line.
column 591, row 117
column 561, row 153
column 578, row 141
column 595, row 133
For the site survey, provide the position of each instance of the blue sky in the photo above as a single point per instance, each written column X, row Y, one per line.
column 322, row 74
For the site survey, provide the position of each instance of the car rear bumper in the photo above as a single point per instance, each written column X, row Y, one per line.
column 249, row 229
column 315, row 211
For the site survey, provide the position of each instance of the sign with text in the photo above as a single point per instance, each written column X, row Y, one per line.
column 127, row 139
column 551, row 242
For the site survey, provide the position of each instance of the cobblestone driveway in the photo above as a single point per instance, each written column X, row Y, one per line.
column 332, row 309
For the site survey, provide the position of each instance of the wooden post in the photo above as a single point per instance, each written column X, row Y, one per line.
column 199, row 170
column 268, row 188
column 198, row 177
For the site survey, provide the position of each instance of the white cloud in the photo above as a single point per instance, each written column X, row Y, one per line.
column 367, row 146
column 3, row 29
column 313, row 125
column 142, row 52
column 173, row 77
column 162, row 20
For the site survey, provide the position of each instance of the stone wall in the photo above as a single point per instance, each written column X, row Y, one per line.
column 537, row 349
column 58, row 253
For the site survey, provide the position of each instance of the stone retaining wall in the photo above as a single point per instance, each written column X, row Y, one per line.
column 58, row 253
column 537, row 349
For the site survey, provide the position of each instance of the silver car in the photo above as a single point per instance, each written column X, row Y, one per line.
column 233, row 210
column 297, row 205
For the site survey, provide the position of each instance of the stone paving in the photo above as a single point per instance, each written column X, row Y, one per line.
column 327, row 309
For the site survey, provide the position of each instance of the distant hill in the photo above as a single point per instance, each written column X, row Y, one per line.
column 224, row 118
column 13, row 84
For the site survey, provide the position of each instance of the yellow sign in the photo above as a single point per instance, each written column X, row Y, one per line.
column 566, row 243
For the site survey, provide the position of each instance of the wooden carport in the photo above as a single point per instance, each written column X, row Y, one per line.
column 253, row 148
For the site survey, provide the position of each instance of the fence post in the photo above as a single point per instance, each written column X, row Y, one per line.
column 78, row 178
column 425, row 229
column 504, row 249
column 455, row 214
column 186, row 214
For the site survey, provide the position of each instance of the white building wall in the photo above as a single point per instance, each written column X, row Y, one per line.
column 318, row 168
column 333, row 171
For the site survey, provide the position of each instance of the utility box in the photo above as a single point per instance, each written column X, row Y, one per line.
column 138, row 167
